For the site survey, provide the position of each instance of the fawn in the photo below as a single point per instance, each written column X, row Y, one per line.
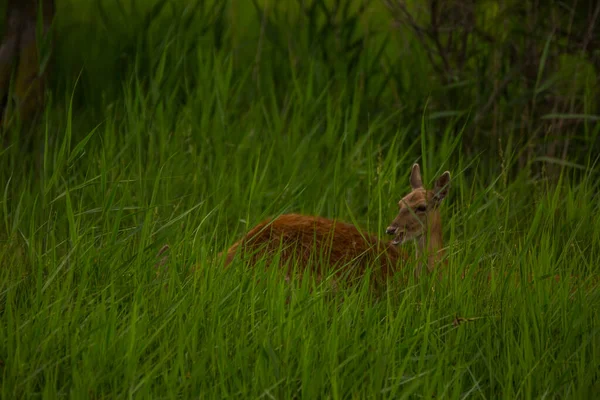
column 295, row 237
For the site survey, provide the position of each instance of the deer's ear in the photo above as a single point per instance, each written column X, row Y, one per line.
column 415, row 177
column 441, row 187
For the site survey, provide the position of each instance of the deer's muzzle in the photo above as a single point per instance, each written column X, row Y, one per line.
column 391, row 230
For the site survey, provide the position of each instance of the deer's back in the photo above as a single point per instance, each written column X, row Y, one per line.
column 315, row 242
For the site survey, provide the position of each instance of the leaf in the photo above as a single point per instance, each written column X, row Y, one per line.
column 81, row 145
column 587, row 117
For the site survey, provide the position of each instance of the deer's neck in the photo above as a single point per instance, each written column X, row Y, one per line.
column 431, row 245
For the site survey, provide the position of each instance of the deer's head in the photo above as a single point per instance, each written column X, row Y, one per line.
column 418, row 208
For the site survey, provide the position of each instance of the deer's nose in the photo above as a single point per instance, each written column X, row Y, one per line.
column 391, row 230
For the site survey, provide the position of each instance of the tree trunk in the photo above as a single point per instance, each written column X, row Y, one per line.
column 23, row 59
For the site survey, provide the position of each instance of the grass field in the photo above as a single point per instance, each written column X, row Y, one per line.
column 193, row 147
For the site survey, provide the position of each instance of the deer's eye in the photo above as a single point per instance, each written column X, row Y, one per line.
column 422, row 208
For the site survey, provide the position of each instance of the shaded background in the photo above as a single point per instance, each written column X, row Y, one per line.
column 518, row 79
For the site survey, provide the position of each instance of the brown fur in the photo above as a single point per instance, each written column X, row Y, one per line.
column 324, row 245
column 317, row 242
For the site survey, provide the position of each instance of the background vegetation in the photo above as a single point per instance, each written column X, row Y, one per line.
column 186, row 122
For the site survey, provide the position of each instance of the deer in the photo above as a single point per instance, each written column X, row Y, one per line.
column 313, row 241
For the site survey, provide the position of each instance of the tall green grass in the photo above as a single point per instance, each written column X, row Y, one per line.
column 193, row 158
